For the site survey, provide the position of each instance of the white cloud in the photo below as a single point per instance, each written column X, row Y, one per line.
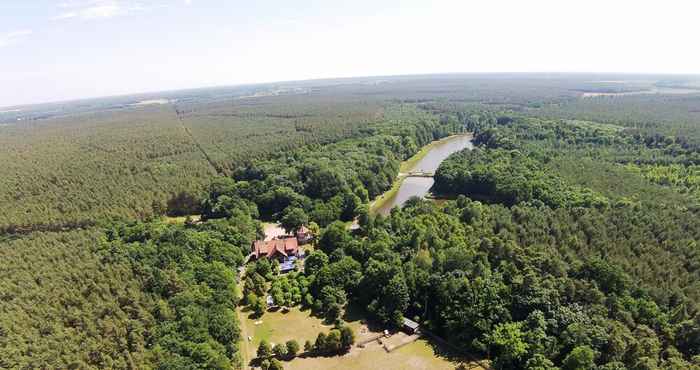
column 97, row 9
column 188, row 2
column 9, row 38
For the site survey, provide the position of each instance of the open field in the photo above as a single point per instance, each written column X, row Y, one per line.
column 279, row 327
column 418, row 355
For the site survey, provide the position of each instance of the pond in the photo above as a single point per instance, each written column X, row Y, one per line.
column 424, row 163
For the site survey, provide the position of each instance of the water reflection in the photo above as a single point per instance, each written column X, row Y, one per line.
column 420, row 186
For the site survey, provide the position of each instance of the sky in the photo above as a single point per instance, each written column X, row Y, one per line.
column 70, row 49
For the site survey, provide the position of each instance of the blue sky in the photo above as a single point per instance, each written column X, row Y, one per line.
column 67, row 49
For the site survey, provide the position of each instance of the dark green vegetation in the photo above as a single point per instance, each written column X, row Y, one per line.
column 327, row 183
column 189, row 275
column 181, row 278
column 583, row 250
column 78, row 170
column 60, row 306
column 621, row 250
column 138, row 295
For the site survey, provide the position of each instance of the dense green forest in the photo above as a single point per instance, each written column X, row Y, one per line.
column 89, row 168
column 183, row 277
column 328, row 183
column 570, row 240
column 62, row 307
column 643, row 232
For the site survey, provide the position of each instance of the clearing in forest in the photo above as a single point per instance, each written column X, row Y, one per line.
column 279, row 327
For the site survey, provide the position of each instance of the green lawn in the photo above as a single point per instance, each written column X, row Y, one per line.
column 279, row 327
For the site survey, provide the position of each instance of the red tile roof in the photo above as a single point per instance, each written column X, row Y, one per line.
column 284, row 247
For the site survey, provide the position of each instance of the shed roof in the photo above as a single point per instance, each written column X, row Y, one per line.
column 410, row 323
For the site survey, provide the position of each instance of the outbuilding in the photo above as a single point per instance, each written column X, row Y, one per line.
column 410, row 326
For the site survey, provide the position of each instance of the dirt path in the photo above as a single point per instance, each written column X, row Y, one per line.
column 245, row 332
column 245, row 348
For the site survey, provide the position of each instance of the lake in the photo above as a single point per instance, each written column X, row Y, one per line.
column 427, row 161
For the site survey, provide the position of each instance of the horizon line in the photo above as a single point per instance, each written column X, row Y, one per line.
column 319, row 79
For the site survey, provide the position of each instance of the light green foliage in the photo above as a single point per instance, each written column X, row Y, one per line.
column 337, row 341
column 294, row 218
column 188, row 269
column 80, row 167
column 280, row 350
column 507, row 341
column 288, row 290
column 332, row 182
column 580, row 358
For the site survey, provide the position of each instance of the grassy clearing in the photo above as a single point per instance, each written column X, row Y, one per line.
column 279, row 327
column 181, row 219
column 419, row 355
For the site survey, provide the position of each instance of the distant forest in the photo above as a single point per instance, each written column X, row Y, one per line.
column 568, row 237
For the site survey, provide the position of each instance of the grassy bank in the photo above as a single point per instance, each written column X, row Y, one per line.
column 408, row 164
column 380, row 200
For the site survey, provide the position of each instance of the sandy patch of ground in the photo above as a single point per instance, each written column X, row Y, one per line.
column 273, row 230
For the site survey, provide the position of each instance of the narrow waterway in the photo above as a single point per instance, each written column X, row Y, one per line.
column 411, row 186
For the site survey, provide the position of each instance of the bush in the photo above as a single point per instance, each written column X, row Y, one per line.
column 292, row 348
column 264, row 350
column 275, row 364
column 338, row 340
column 280, row 351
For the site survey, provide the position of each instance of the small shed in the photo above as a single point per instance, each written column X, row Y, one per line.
column 410, row 326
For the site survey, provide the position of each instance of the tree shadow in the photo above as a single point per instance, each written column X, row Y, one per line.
column 315, row 314
column 255, row 362
column 354, row 312
column 254, row 316
column 443, row 350
column 320, row 354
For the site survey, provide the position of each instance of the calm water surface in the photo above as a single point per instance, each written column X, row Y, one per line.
column 419, row 186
